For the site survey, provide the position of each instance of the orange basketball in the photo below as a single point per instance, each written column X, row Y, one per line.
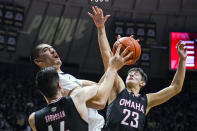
column 134, row 47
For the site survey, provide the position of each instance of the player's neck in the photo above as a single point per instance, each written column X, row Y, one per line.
column 59, row 70
column 49, row 100
column 135, row 90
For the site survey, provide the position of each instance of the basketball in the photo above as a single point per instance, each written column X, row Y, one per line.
column 134, row 47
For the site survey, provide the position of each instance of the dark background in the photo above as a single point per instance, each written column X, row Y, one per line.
column 66, row 26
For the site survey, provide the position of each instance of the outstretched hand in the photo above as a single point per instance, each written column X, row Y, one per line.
column 181, row 50
column 118, row 60
column 98, row 17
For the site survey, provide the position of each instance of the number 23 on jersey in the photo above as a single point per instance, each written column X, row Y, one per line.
column 134, row 121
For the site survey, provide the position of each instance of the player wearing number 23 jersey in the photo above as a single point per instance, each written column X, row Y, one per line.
column 126, row 112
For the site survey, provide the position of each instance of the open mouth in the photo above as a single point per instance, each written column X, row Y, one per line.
column 131, row 78
column 56, row 55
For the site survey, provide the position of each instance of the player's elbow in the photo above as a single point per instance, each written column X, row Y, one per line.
column 102, row 100
column 101, row 104
column 96, row 104
column 178, row 89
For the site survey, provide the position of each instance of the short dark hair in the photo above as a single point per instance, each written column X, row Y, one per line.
column 35, row 53
column 140, row 70
column 47, row 80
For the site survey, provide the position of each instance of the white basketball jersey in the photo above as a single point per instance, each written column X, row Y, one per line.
column 96, row 121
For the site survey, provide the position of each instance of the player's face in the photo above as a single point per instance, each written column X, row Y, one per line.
column 134, row 78
column 48, row 56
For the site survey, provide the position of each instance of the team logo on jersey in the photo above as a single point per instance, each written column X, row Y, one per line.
column 53, row 109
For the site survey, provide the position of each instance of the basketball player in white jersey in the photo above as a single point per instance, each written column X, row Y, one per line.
column 47, row 81
column 44, row 55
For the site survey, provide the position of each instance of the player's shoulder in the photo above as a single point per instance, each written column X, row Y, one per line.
column 41, row 112
column 123, row 92
column 143, row 98
column 31, row 121
column 66, row 75
column 66, row 101
column 31, row 118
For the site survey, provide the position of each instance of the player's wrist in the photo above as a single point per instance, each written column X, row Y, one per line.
column 113, row 68
column 101, row 28
column 182, row 59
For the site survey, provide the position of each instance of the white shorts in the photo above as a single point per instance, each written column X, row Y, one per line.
column 96, row 121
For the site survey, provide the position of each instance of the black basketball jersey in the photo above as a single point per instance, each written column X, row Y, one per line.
column 126, row 113
column 60, row 115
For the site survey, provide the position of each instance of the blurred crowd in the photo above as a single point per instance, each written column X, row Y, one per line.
column 178, row 114
column 19, row 98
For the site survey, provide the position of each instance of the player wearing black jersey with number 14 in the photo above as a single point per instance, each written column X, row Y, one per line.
column 70, row 113
column 127, row 108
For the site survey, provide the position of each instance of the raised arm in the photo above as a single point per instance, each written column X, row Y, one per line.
column 116, row 62
column 89, row 93
column 105, row 49
column 175, row 87
column 99, row 21
column 80, row 96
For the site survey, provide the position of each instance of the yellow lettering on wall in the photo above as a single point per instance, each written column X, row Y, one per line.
column 62, row 30
column 81, row 27
column 69, row 34
column 44, row 28
column 35, row 23
column 51, row 30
